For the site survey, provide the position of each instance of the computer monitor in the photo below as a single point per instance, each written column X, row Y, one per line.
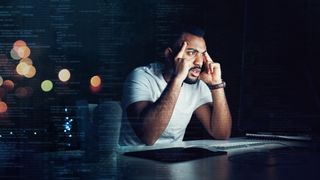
column 279, row 97
column 279, row 79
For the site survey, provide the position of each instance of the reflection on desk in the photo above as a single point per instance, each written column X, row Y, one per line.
column 246, row 159
column 176, row 154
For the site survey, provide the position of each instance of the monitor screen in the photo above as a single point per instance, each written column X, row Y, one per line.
column 279, row 81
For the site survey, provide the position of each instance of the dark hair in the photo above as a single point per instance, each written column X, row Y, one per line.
column 197, row 31
column 176, row 40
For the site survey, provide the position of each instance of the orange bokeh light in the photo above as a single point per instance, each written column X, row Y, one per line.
column 95, row 81
column 95, row 89
column 20, row 50
column 27, row 61
column 31, row 72
column 3, row 107
column 22, row 68
column 24, row 52
column 8, row 85
column 18, row 44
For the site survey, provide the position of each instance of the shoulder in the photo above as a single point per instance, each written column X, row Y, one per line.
column 145, row 72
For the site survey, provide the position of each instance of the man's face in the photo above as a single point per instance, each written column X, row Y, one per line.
column 195, row 50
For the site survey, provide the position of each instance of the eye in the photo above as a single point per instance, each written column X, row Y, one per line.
column 191, row 53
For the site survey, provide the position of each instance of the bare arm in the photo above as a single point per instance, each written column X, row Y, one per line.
column 148, row 119
column 216, row 116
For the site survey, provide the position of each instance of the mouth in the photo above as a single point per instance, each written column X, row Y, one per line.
column 195, row 71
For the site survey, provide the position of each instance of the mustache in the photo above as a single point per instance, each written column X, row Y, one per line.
column 197, row 67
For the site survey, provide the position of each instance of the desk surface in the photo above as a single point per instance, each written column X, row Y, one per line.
column 271, row 160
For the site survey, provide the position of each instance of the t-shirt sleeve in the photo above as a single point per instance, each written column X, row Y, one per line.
column 205, row 94
column 136, row 88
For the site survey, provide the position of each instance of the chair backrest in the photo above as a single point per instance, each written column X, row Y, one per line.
column 107, row 118
column 99, row 127
column 91, row 108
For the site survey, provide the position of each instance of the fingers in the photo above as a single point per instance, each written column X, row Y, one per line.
column 181, row 52
column 207, row 57
column 207, row 66
column 211, row 67
column 188, row 63
column 210, row 64
column 214, row 66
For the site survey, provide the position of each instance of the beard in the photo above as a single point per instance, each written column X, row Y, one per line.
column 189, row 80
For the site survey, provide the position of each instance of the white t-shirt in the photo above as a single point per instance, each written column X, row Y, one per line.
column 146, row 84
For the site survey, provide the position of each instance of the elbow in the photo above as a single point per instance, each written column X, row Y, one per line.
column 148, row 141
column 146, row 137
column 221, row 135
column 149, row 137
column 222, row 132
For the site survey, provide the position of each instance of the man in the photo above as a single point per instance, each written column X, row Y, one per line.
column 159, row 99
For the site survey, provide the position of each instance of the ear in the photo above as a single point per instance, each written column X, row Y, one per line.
column 168, row 53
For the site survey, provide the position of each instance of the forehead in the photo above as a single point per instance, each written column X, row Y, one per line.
column 194, row 42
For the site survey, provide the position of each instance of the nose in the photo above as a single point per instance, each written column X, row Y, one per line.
column 198, row 60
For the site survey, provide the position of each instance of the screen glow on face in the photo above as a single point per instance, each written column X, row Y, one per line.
column 191, row 52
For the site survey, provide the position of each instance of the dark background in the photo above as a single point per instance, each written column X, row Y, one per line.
column 256, row 42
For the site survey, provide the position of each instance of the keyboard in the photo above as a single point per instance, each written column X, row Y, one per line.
column 233, row 145
column 278, row 137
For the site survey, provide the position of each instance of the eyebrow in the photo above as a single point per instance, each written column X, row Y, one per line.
column 196, row 50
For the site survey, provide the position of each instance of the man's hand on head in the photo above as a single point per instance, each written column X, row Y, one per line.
column 182, row 65
column 212, row 73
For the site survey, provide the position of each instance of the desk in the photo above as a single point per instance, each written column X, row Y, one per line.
column 240, row 163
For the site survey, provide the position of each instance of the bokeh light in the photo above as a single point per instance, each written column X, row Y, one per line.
column 22, row 68
column 46, row 85
column 24, row 52
column 8, row 85
column 95, row 81
column 95, row 89
column 14, row 54
column 3, row 107
column 31, row 73
column 27, row 61
column 25, row 68
column 1, row 80
column 20, row 50
column 64, row 75
column 18, row 44
column 23, row 92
